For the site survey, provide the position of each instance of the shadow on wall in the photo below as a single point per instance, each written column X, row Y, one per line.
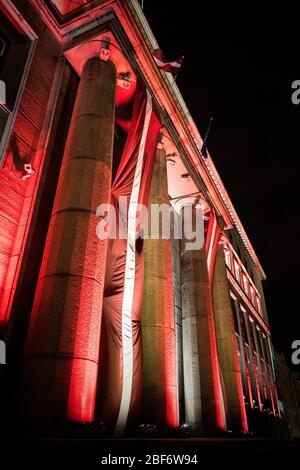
column 20, row 163
column 18, row 160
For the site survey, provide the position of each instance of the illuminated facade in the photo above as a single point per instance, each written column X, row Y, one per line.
column 86, row 105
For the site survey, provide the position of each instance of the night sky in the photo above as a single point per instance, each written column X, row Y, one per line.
column 254, row 141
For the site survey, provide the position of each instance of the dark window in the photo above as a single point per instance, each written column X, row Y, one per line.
column 234, row 312
column 14, row 48
column 251, row 335
column 258, row 342
column 243, row 326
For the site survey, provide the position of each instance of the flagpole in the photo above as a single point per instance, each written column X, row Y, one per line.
column 204, row 148
column 208, row 129
column 176, row 75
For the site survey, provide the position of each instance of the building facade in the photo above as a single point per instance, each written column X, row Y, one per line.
column 119, row 332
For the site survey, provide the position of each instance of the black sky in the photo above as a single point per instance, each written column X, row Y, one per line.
column 245, row 84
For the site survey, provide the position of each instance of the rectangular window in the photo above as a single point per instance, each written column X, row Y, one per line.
column 228, row 259
column 243, row 326
column 234, row 312
column 257, row 334
column 258, row 303
column 251, row 334
column 252, row 296
column 265, row 346
column 237, row 270
column 246, row 284
column 16, row 47
column 248, row 376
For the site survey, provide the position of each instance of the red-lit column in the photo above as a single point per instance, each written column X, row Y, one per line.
column 61, row 357
column 160, row 394
column 227, row 348
column 202, row 390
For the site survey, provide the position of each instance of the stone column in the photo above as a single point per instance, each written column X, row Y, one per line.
column 61, row 357
column 201, row 375
column 227, row 347
column 160, row 390
column 176, row 262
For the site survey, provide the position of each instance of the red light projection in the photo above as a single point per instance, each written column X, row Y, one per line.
column 220, row 413
column 62, row 362
column 67, row 6
column 126, row 78
column 16, row 205
column 240, row 384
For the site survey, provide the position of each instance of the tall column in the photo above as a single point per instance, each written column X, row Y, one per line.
column 176, row 262
column 61, row 357
column 227, row 347
column 202, row 393
column 160, row 394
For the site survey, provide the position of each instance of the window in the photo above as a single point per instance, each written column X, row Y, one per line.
column 257, row 332
column 234, row 312
column 246, row 284
column 228, row 259
column 243, row 326
column 252, row 331
column 237, row 270
column 15, row 48
column 267, row 350
column 252, row 296
column 258, row 302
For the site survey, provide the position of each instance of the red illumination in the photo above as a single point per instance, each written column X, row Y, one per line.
column 17, row 202
column 16, row 205
column 211, row 244
column 242, row 277
column 170, row 372
column 216, row 373
column 82, row 391
column 257, row 384
column 249, row 388
column 249, row 305
column 239, row 383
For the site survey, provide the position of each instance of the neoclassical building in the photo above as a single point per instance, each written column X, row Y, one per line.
column 132, row 331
